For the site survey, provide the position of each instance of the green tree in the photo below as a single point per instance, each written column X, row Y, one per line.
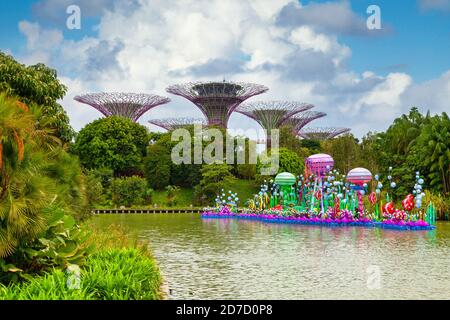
column 171, row 192
column 345, row 151
column 157, row 166
column 114, row 142
column 128, row 191
column 36, row 175
column 37, row 84
column 214, row 177
column 431, row 153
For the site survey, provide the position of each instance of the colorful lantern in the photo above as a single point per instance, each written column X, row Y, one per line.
column 408, row 202
column 319, row 164
column 359, row 176
column 373, row 198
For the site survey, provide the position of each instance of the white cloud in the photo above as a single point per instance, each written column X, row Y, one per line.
column 158, row 43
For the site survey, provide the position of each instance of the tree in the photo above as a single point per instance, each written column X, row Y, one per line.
column 37, row 84
column 345, row 151
column 157, row 166
column 36, row 174
column 431, row 153
column 394, row 146
column 128, row 191
column 214, row 176
column 114, row 142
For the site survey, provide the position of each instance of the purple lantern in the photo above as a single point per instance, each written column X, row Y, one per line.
column 359, row 176
column 319, row 164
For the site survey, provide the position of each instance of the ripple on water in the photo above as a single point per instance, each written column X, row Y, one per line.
column 235, row 259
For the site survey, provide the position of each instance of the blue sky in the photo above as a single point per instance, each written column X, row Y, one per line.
column 419, row 44
column 396, row 68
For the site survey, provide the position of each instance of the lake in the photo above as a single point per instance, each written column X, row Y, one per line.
column 236, row 259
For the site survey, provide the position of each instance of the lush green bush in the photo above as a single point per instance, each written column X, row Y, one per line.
column 37, row 176
column 128, row 191
column 172, row 192
column 157, row 166
column 114, row 142
column 37, row 84
column 214, row 176
column 112, row 274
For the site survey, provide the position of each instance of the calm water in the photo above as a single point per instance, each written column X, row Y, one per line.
column 234, row 259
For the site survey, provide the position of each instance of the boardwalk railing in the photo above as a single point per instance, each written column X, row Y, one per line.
column 146, row 211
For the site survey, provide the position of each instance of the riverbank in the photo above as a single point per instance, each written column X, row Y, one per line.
column 120, row 268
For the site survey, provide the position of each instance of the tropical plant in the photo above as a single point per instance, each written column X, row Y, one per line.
column 128, row 191
column 214, row 176
column 114, row 142
column 37, row 84
column 171, row 192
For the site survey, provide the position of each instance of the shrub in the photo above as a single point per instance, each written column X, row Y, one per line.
column 214, row 176
column 172, row 192
column 128, row 191
column 114, row 142
column 157, row 166
column 113, row 274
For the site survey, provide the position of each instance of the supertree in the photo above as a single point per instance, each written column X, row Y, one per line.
column 272, row 114
column 299, row 120
column 322, row 133
column 128, row 105
column 217, row 100
column 175, row 123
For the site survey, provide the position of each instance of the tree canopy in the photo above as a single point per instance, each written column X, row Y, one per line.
column 37, row 84
column 114, row 142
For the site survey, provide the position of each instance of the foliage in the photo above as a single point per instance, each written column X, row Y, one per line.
column 157, row 166
column 431, row 152
column 172, row 192
column 112, row 274
column 288, row 140
column 345, row 151
column 128, row 191
column 113, row 142
column 94, row 192
column 288, row 161
column 37, row 84
column 214, row 176
column 312, row 146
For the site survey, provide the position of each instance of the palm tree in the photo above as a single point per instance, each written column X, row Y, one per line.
column 24, row 188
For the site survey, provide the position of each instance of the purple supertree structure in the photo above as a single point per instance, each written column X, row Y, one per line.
column 217, row 100
column 175, row 123
column 298, row 121
column 128, row 105
column 322, row 133
column 272, row 114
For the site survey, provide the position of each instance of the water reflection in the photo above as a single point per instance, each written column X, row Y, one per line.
column 241, row 259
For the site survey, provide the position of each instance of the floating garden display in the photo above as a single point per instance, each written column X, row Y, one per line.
column 322, row 196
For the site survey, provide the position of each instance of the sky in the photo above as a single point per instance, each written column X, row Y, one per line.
column 319, row 52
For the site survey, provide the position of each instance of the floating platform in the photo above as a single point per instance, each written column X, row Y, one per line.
column 411, row 225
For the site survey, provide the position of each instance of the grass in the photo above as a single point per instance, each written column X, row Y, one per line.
column 244, row 188
column 112, row 274
column 185, row 196
column 119, row 268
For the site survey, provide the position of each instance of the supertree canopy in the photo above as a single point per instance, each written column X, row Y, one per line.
column 299, row 120
column 175, row 123
column 272, row 114
column 128, row 105
column 322, row 133
column 217, row 100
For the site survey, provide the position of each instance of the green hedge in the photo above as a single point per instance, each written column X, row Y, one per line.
column 112, row 274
